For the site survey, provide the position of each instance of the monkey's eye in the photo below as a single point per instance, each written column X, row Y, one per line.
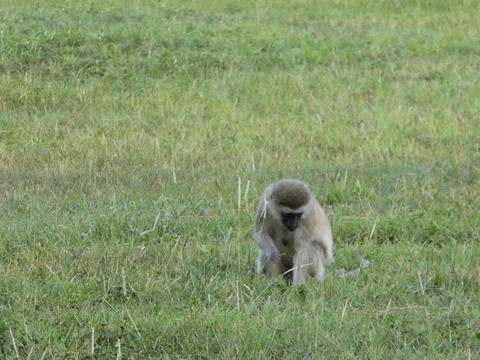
column 291, row 215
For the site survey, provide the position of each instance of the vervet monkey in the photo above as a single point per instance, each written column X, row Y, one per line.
column 292, row 233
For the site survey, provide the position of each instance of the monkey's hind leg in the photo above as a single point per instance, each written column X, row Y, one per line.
column 308, row 263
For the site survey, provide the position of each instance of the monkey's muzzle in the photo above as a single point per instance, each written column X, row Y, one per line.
column 291, row 220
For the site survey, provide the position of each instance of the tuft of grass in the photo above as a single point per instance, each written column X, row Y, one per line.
column 136, row 136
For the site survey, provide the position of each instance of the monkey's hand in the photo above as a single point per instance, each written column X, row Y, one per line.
column 273, row 254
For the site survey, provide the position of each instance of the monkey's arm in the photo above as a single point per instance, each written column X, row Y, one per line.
column 266, row 245
column 324, row 234
column 260, row 232
column 322, row 237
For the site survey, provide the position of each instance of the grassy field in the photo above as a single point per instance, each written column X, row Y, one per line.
column 136, row 137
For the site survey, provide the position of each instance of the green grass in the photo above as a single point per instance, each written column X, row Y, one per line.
column 136, row 137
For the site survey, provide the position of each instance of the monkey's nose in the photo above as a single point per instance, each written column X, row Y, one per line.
column 291, row 227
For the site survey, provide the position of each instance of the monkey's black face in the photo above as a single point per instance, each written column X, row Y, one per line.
column 291, row 220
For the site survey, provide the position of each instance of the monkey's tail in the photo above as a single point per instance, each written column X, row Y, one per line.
column 364, row 264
